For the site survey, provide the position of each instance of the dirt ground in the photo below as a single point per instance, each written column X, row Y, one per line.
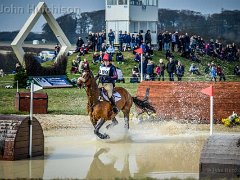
column 63, row 123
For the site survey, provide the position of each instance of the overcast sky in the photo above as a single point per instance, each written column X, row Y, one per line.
column 14, row 13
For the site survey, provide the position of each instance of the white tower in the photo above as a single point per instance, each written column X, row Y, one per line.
column 132, row 16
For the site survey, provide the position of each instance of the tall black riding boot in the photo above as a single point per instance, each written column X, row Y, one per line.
column 115, row 109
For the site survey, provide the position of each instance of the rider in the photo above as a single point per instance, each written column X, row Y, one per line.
column 107, row 75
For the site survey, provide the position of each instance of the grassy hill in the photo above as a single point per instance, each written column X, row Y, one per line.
column 73, row 100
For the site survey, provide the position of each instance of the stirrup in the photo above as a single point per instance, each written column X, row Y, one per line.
column 115, row 109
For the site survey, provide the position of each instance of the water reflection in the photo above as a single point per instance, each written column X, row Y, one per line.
column 22, row 169
column 107, row 168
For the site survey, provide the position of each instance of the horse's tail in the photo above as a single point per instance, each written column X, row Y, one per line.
column 144, row 105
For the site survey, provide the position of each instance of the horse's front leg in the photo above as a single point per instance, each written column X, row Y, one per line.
column 126, row 120
column 97, row 127
column 114, row 123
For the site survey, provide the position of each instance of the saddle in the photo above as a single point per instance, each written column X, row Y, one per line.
column 104, row 96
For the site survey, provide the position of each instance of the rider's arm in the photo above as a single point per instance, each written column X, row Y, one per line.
column 114, row 76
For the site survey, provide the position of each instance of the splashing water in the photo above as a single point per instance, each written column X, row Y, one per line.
column 150, row 148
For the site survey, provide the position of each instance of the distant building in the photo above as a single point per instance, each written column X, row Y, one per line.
column 132, row 16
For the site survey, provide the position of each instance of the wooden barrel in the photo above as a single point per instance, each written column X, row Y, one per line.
column 184, row 100
column 220, row 157
column 14, row 137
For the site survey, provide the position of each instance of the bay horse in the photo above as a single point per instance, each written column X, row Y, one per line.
column 102, row 110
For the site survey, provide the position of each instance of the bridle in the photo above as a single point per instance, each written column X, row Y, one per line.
column 83, row 79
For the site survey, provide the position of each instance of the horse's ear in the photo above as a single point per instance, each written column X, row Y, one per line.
column 86, row 66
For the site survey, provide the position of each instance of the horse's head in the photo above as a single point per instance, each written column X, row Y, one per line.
column 85, row 78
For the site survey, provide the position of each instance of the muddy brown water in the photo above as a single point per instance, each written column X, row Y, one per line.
column 147, row 149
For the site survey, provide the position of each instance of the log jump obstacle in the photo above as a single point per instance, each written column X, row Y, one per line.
column 14, row 137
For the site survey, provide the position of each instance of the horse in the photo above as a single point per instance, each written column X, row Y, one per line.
column 101, row 111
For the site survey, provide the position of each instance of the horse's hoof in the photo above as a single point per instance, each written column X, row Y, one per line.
column 106, row 136
column 126, row 126
column 108, row 126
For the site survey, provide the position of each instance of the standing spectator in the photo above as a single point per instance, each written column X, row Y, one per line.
column 179, row 70
column 133, row 41
column 158, row 71
column 104, row 36
column 162, row 69
column 144, row 67
column 150, row 70
column 140, row 38
column 166, row 40
column 100, row 41
column 177, row 42
column 160, row 41
column 213, row 72
column 148, row 38
column 186, row 43
column 121, row 40
column 91, row 41
column 111, row 37
column 220, row 73
column 127, row 42
column 207, row 70
column 174, row 41
column 171, row 69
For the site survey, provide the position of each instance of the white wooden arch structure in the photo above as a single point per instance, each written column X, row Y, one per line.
column 41, row 9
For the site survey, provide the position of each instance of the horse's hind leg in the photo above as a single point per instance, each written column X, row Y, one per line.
column 126, row 119
column 114, row 123
column 96, row 131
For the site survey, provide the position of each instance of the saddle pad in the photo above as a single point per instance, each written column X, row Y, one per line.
column 116, row 96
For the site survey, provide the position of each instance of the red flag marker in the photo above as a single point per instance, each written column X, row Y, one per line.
column 139, row 50
column 208, row 91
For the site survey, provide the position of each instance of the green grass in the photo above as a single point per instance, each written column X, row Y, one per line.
column 73, row 100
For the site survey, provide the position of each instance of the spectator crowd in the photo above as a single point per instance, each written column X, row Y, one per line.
column 190, row 47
